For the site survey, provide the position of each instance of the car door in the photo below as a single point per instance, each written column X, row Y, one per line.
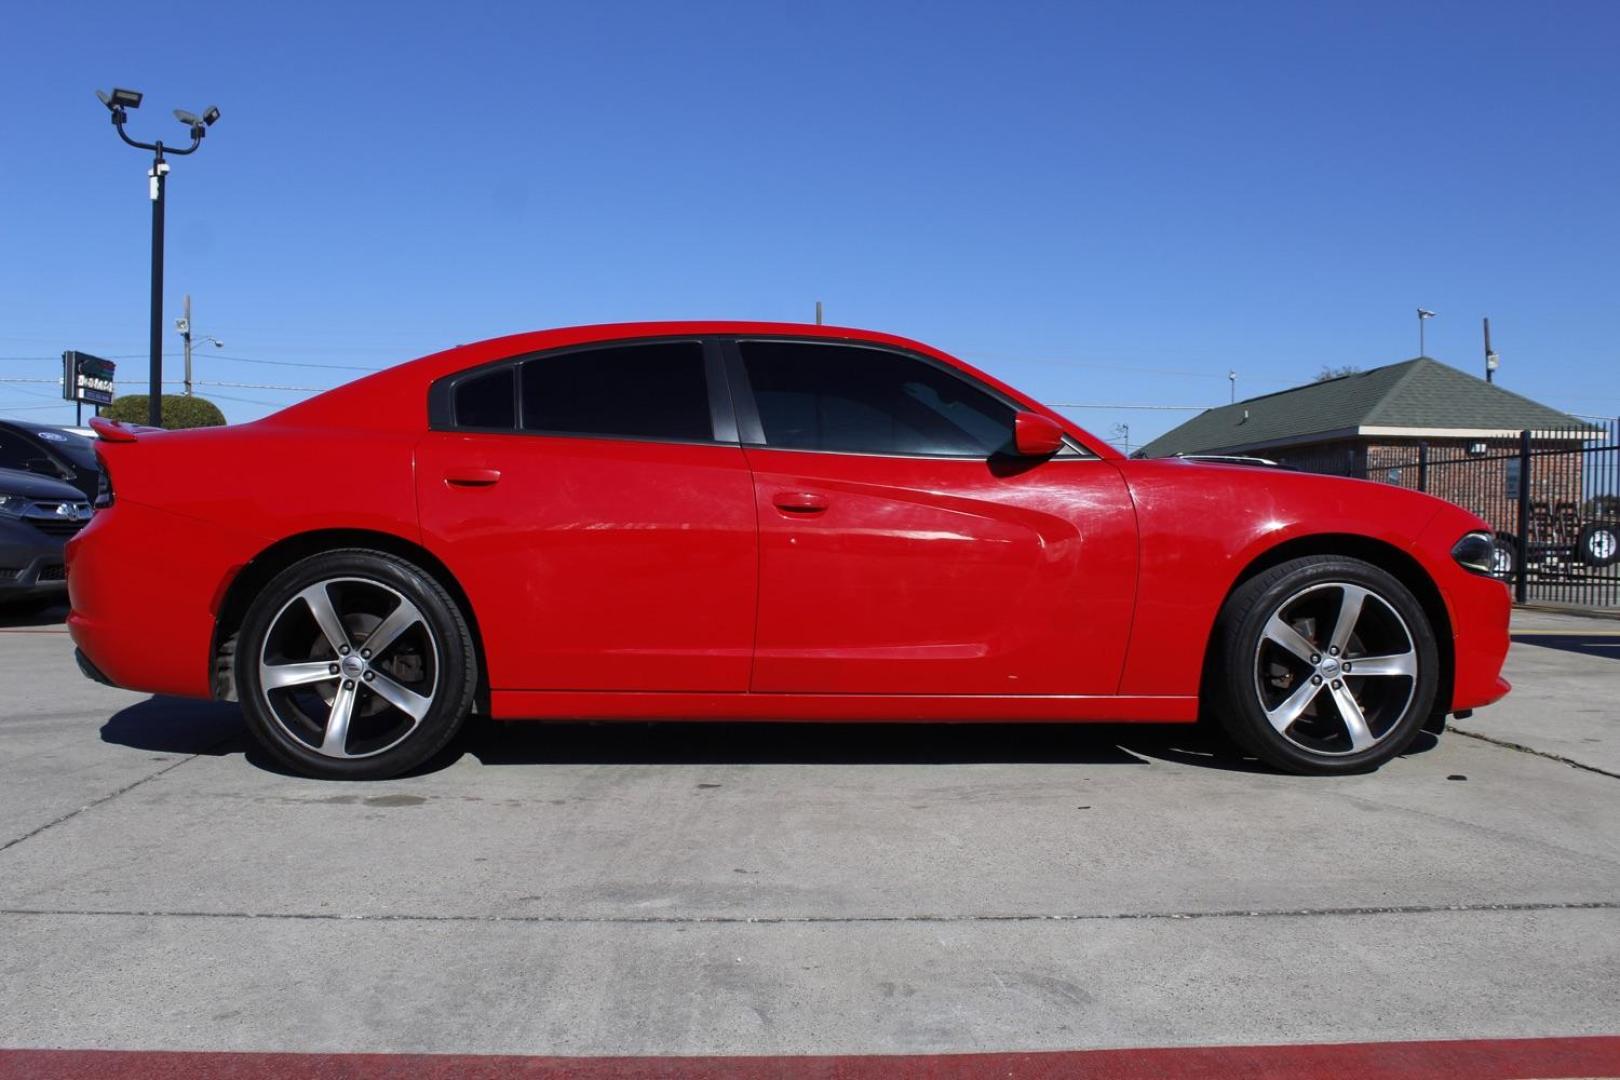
column 905, row 550
column 596, row 508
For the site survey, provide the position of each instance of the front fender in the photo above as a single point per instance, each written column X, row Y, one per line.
column 1203, row 525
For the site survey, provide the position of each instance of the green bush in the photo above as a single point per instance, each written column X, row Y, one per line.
column 179, row 411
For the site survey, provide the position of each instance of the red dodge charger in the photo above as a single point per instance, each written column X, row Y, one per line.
column 759, row 521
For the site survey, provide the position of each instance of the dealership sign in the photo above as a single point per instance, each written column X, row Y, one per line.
column 87, row 378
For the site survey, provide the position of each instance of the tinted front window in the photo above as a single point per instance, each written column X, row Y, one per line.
column 813, row 396
column 636, row 391
column 487, row 401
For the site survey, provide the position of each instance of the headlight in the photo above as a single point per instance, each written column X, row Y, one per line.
column 12, row 505
column 1476, row 552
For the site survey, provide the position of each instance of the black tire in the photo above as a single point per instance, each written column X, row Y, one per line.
column 1260, row 673
column 430, row 664
column 1599, row 544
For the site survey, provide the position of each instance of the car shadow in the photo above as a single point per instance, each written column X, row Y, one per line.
column 170, row 725
column 181, row 726
column 774, row 743
column 17, row 617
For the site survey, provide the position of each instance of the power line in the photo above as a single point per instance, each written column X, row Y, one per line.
column 1168, row 408
column 266, row 386
column 294, row 363
column 1128, row 369
column 209, row 356
column 247, row 400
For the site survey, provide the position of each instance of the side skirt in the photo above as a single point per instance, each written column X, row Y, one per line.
column 839, row 708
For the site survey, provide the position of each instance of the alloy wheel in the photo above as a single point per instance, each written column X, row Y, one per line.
column 1335, row 669
column 349, row 667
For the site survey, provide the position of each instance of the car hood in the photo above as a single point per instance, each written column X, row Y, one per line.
column 33, row 486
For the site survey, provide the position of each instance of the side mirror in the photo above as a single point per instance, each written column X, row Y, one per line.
column 1036, row 436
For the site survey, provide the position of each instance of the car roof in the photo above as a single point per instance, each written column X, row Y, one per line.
column 396, row 398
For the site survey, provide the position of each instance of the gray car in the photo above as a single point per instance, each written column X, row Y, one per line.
column 37, row 515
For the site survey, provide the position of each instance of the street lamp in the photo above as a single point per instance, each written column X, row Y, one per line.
column 1424, row 315
column 118, row 103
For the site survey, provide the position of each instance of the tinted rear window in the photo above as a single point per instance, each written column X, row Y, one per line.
column 487, row 401
column 654, row 391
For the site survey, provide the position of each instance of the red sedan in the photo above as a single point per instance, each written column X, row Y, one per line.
column 759, row 521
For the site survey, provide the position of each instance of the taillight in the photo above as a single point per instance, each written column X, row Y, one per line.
column 104, row 492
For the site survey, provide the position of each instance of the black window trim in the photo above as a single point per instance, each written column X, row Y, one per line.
column 752, row 430
column 722, row 415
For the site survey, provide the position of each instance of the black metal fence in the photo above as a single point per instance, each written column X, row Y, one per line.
column 1552, row 499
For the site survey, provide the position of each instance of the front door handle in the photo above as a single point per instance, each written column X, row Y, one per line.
column 465, row 477
column 799, row 502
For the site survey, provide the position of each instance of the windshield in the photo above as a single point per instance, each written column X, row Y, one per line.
column 70, row 445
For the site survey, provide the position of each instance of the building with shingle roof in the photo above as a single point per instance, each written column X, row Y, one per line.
column 1419, row 399
column 1418, row 424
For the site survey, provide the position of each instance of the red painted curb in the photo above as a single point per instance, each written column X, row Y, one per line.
column 1489, row 1059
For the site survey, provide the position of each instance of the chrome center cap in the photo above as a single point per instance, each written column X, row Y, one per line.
column 352, row 666
column 1329, row 666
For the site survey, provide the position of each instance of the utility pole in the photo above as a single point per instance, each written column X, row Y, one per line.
column 185, row 332
column 1231, row 377
column 1122, row 432
column 818, row 312
column 183, row 325
column 1423, row 317
column 1492, row 361
column 118, row 102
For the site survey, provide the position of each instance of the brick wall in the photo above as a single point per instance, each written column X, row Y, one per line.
column 1485, row 483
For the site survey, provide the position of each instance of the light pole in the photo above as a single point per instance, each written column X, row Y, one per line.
column 118, row 102
column 1424, row 316
column 183, row 324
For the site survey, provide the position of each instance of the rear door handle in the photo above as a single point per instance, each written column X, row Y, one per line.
column 799, row 502
column 464, row 477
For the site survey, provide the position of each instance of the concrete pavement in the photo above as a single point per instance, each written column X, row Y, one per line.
column 1565, row 673
column 691, row 889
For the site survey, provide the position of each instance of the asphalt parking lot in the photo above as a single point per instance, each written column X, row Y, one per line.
column 693, row 889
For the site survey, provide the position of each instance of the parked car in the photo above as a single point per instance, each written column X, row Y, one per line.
column 58, row 452
column 767, row 522
column 37, row 515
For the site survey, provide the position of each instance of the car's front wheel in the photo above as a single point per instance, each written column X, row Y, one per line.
column 355, row 664
column 1324, row 664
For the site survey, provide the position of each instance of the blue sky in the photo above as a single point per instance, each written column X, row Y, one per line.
column 1104, row 203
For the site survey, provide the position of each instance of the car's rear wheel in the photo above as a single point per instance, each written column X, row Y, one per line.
column 1325, row 664
column 355, row 664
